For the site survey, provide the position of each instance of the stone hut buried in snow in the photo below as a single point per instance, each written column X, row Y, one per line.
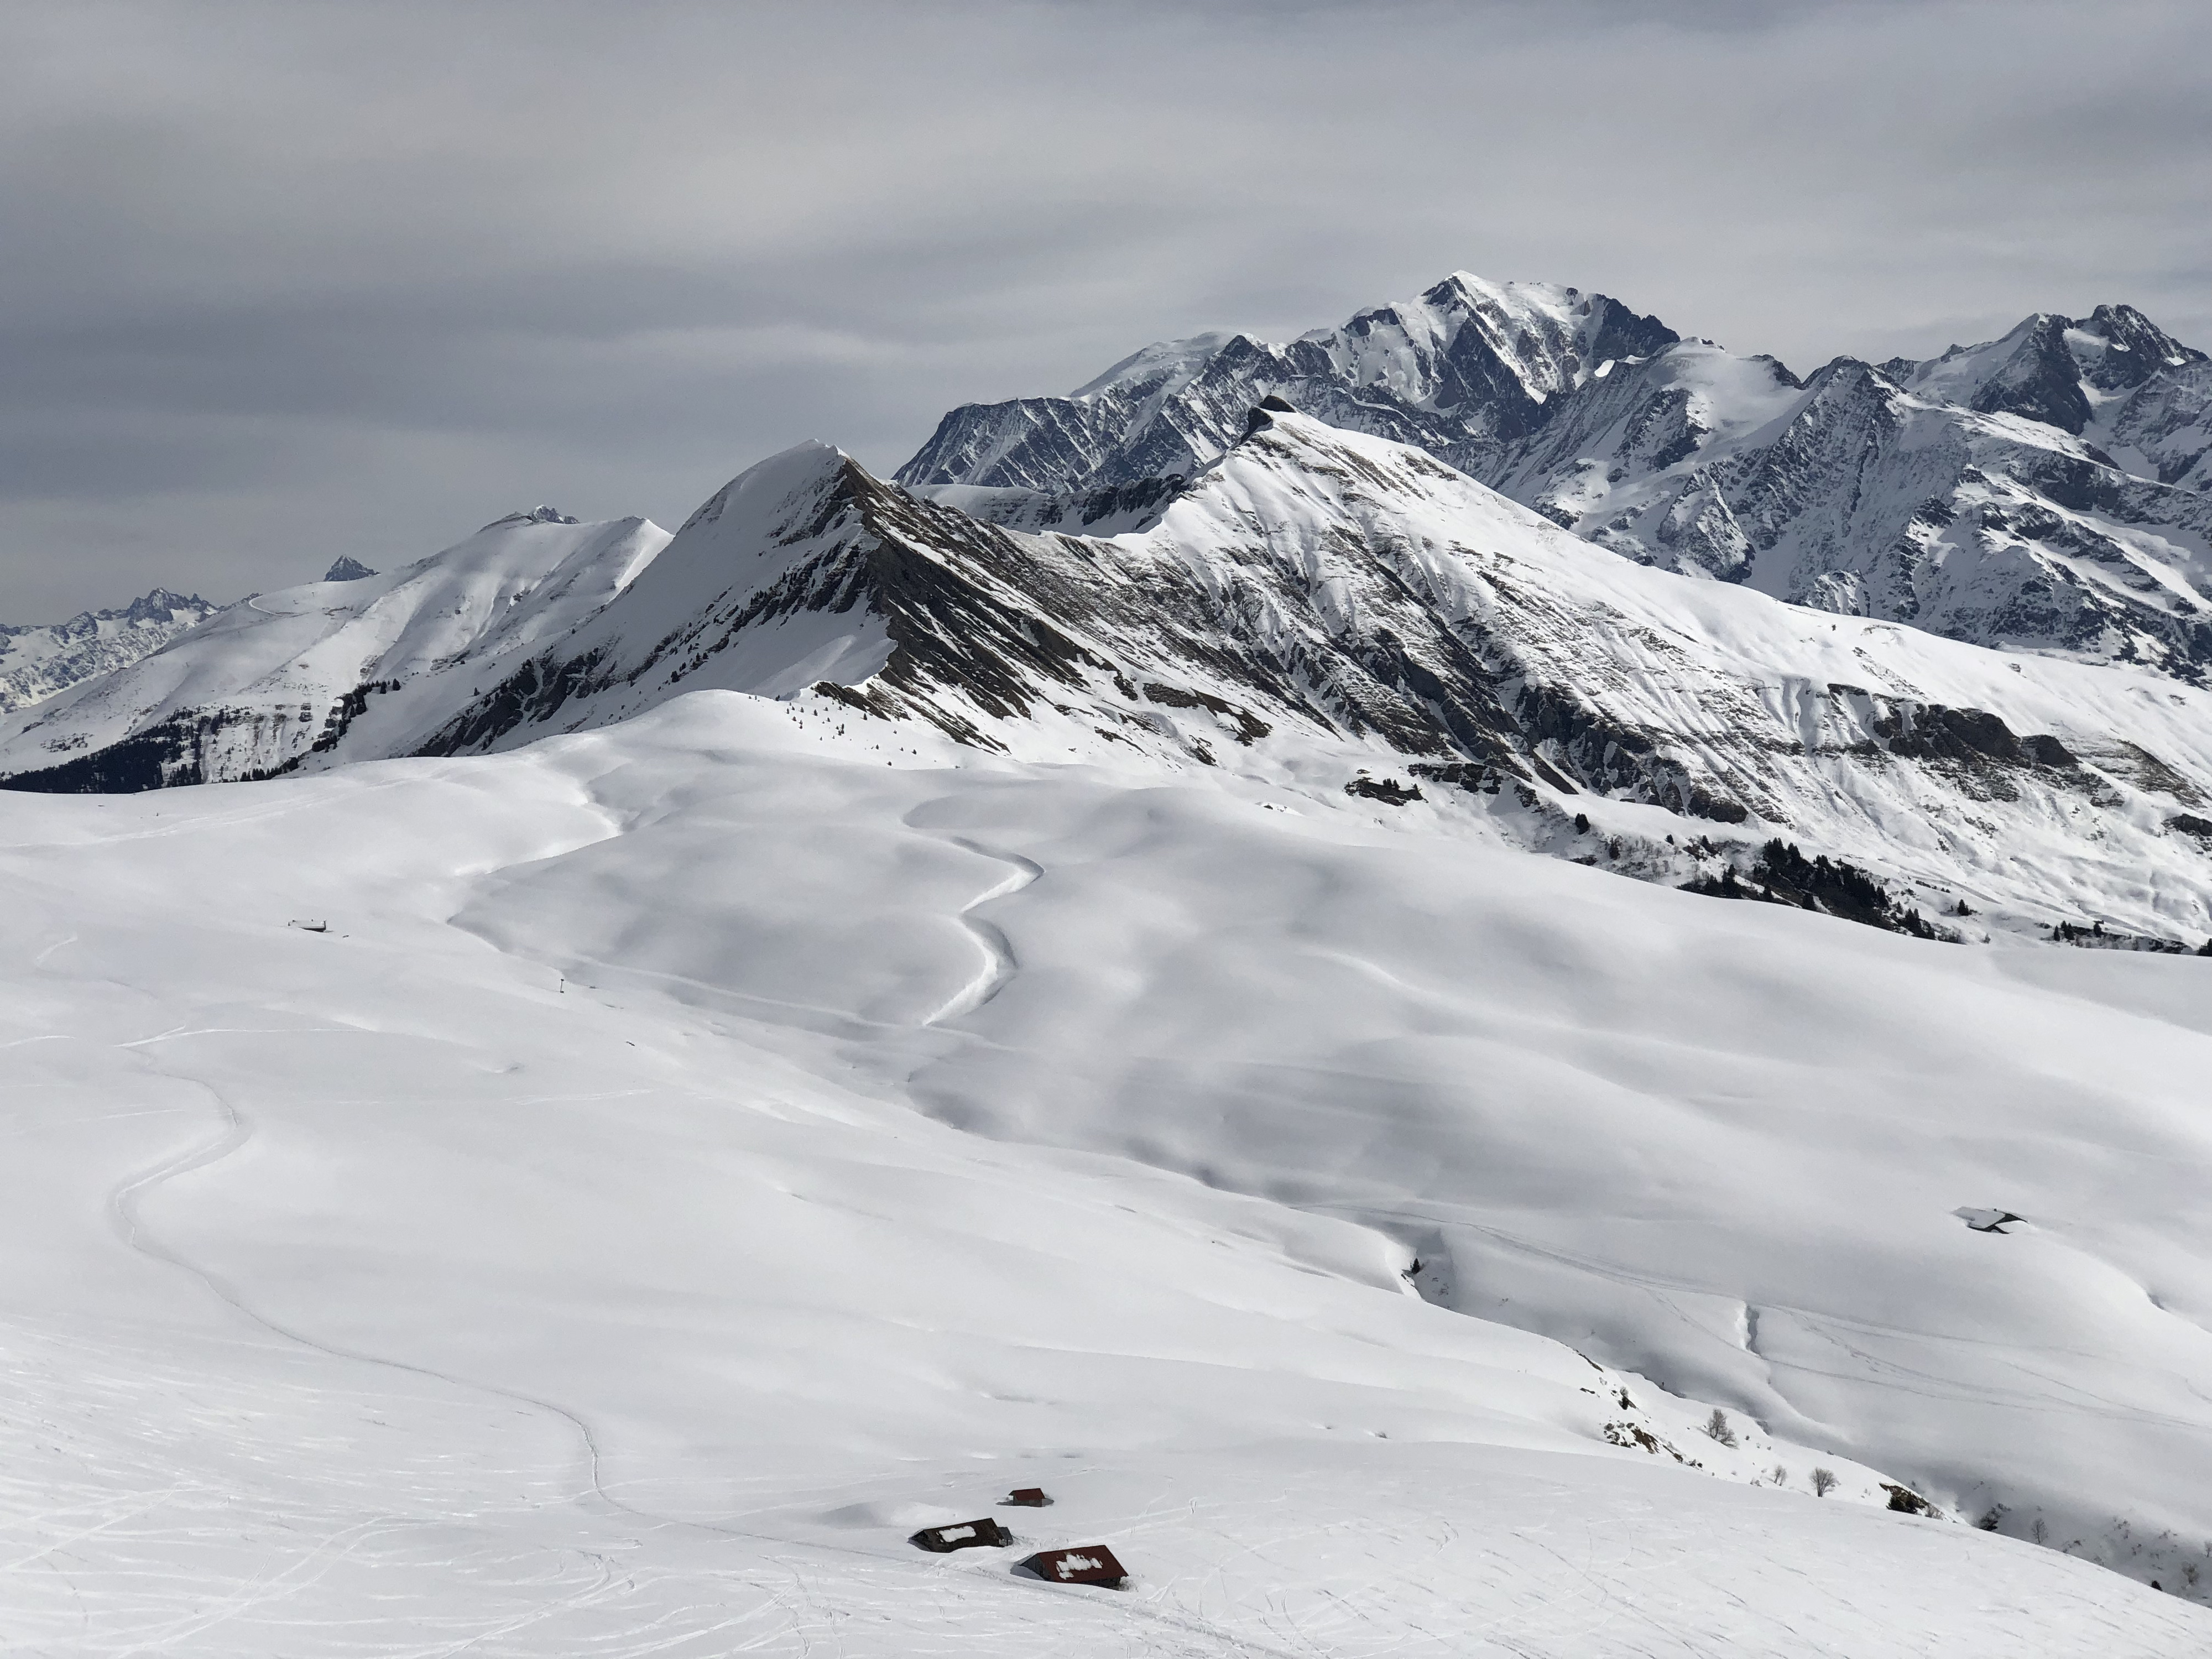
column 1088, row 1564
column 968, row 1534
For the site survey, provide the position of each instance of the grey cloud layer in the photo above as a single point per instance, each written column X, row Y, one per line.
column 287, row 282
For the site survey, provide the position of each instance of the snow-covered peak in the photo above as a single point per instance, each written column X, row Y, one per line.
column 768, row 527
column 2029, row 370
column 42, row 660
column 2134, row 347
column 1541, row 332
column 1317, row 586
column 1550, row 338
column 761, row 590
column 155, row 605
column 1525, row 301
column 1470, row 364
column 262, row 684
column 1170, row 363
column 2052, row 368
column 540, row 515
column 2012, row 493
column 768, row 487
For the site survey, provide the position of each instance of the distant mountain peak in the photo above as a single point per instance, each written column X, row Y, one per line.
column 160, row 604
column 539, row 514
column 1464, row 369
column 261, row 688
column 40, row 660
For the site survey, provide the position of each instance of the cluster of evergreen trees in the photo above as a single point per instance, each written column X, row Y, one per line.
column 1783, row 875
column 2068, row 933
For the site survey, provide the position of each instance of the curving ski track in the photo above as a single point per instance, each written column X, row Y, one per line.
column 1000, row 965
column 234, row 1133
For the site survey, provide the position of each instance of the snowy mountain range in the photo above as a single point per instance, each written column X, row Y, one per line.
column 1102, row 965
column 2043, row 492
column 1317, row 601
column 37, row 661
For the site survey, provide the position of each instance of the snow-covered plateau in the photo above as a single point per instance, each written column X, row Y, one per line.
column 566, row 1098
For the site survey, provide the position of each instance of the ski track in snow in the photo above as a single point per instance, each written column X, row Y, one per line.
column 231, row 1136
column 232, row 1133
column 1000, row 965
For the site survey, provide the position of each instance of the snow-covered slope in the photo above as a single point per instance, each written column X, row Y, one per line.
column 1856, row 497
column 699, row 1154
column 2044, row 492
column 1315, row 604
column 270, row 680
column 1319, row 603
column 42, row 659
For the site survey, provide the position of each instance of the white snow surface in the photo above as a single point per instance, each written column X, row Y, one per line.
column 702, row 1151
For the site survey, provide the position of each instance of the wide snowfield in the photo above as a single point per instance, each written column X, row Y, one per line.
column 699, row 1154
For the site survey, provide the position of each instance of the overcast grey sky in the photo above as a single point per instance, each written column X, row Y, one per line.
column 283, row 282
